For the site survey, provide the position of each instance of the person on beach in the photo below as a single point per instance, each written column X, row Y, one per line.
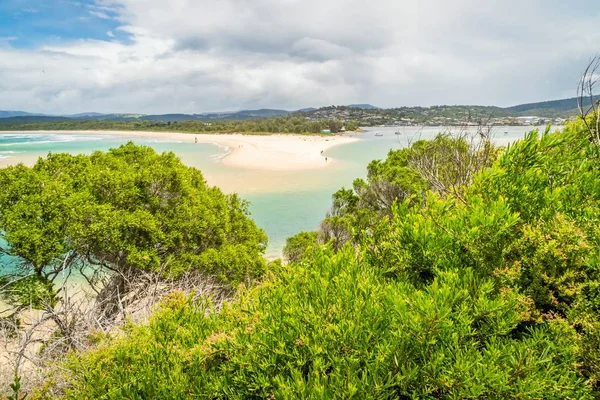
column 196, row 139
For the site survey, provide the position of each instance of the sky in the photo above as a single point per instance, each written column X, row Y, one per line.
column 193, row 56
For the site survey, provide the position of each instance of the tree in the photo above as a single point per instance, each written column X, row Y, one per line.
column 124, row 210
column 126, row 220
column 352, row 125
column 297, row 247
column 445, row 165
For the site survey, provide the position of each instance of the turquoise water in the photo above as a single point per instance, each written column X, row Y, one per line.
column 282, row 202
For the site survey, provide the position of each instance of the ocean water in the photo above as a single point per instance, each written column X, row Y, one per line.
column 282, row 202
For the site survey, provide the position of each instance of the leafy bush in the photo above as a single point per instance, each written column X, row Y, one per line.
column 298, row 246
column 445, row 165
column 531, row 222
column 336, row 328
column 127, row 209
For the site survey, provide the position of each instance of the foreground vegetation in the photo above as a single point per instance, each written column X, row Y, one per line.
column 95, row 240
column 455, row 270
column 479, row 281
column 129, row 208
column 298, row 125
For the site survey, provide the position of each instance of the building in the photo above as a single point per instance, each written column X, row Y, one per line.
column 530, row 120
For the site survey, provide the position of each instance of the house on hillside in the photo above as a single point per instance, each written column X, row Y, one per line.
column 529, row 120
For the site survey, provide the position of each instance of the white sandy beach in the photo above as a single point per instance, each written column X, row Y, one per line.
column 269, row 152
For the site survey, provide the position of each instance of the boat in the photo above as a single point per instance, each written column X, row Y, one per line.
column 378, row 134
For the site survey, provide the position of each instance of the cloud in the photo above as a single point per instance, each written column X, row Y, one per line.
column 319, row 50
column 100, row 14
column 201, row 55
column 102, row 11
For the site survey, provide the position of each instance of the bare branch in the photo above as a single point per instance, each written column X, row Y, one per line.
column 586, row 93
column 34, row 342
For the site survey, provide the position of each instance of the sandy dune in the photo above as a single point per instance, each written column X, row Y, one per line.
column 268, row 152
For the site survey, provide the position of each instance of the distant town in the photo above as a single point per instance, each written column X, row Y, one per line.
column 433, row 116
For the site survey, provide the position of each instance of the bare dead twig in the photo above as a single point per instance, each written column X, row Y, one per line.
column 450, row 168
column 586, row 89
column 33, row 345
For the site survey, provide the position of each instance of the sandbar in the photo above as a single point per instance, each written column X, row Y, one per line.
column 277, row 152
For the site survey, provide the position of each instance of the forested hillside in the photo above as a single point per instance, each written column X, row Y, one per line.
column 457, row 270
column 255, row 126
column 553, row 106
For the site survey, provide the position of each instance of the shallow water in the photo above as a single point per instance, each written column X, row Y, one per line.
column 282, row 202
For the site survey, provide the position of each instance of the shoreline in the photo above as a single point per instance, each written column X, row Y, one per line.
column 276, row 152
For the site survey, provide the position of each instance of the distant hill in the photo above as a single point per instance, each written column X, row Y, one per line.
column 170, row 117
column 232, row 115
column 27, row 119
column 9, row 114
column 10, row 117
column 363, row 106
column 245, row 114
column 564, row 104
column 83, row 115
column 262, row 113
column 112, row 117
column 365, row 113
column 563, row 107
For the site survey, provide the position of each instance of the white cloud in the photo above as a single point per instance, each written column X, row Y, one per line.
column 201, row 55
column 99, row 14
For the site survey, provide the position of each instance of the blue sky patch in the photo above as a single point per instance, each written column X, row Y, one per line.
column 30, row 23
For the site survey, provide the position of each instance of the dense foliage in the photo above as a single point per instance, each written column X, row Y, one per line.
column 445, row 165
column 489, row 291
column 127, row 209
column 299, row 125
column 297, row 246
column 335, row 327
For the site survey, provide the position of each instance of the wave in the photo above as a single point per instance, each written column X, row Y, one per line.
column 161, row 141
column 219, row 157
column 33, row 139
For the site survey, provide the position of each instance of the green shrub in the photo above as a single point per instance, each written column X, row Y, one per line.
column 337, row 328
column 531, row 221
column 298, row 246
column 127, row 209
